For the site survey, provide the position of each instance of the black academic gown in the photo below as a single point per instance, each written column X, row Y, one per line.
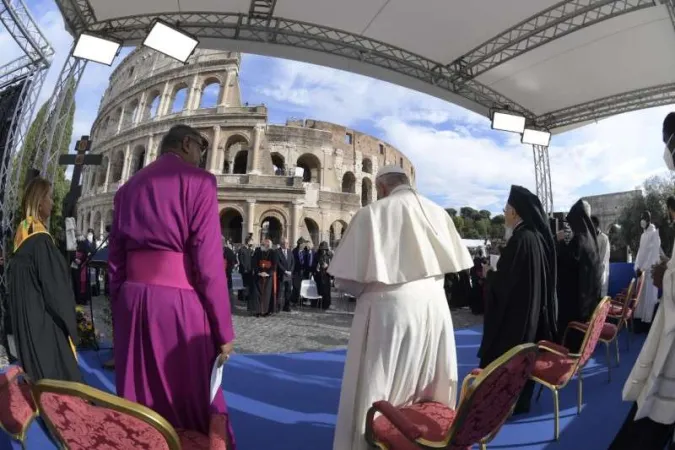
column 263, row 298
column 42, row 309
column 519, row 297
column 579, row 274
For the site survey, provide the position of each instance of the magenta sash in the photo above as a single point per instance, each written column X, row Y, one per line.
column 158, row 267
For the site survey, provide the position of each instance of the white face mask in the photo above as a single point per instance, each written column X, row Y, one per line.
column 643, row 223
column 668, row 155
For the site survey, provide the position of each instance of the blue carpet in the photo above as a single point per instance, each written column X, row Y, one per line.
column 290, row 401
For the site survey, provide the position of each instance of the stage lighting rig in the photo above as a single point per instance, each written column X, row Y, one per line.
column 507, row 121
column 96, row 49
column 171, row 41
column 536, row 137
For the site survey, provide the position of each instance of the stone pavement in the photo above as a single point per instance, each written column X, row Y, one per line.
column 304, row 329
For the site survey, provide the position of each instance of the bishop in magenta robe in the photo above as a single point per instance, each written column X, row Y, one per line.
column 169, row 295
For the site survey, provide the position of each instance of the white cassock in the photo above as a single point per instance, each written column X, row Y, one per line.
column 393, row 259
column 604, row 249
column 651, row 383
column 649, row 253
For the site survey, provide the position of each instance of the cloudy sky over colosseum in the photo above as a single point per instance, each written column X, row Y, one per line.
column 459, row 160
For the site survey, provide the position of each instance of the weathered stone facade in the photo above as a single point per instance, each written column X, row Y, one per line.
column 261, row 192
column 608, row 207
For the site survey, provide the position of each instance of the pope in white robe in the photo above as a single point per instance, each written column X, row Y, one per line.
column 649, row 254
column 393, row 259
column 604, row 252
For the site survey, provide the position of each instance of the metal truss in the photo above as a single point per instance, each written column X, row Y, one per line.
column 262, row 9
column 297, row 34
column 19, row 23
column 609, row 106
column 553, row 23
column 542, row 176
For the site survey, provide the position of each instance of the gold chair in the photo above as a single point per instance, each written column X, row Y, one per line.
column 17, row 408
column 556, row 366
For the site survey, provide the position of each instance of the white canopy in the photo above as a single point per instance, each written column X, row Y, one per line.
column 560, row 64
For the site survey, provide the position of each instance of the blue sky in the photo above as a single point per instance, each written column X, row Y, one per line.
column 459, row 160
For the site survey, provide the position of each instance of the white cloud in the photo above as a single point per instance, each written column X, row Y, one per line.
column 459, row 160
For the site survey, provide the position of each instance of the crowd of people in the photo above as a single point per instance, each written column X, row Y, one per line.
column 168, row 277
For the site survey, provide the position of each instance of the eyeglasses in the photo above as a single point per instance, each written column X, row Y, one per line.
column 201, row 142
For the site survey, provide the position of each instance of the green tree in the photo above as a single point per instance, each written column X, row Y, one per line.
column 656, row 191
column 28, row 153
column 467, row 212
column 484, row 214
column 451, row 211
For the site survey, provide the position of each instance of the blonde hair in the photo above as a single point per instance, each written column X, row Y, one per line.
column 36, row 191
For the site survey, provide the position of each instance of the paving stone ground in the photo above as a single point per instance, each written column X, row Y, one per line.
column 304, row 329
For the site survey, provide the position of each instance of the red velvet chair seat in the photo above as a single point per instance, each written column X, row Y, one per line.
column 553, row 368
column 16, row 403
column 432, row 419
column 616, row 312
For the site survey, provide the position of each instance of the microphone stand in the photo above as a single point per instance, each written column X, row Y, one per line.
column 82, row 265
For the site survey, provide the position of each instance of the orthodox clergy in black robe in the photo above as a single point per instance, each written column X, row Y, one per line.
column 42, row 307
column 521, row 294
column 579, row 273
column 262, row 301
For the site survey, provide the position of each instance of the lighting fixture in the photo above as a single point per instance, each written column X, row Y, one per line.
column 505, row 121
column 97, row 49
column 171, row 41
column 536, row 137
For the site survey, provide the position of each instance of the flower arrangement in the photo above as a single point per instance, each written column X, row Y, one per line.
column 85, row 328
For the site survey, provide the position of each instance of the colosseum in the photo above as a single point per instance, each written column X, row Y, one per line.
column 305, row 178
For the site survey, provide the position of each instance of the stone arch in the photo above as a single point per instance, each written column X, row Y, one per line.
column 116, row 121
column 108, row 219
column 152, row 105
column 367, row 165
column 278, row 163
column 336, row 231
column 313, row 230
column 210, row 92
column 117, row 166
column 101, row 171
column 273, row 225
column 349, row 183
column 366, row 191
column 236, row 154
column 97, row 224
column 137, row 159
column 311, row 165
column 179, row 98
column 232, row 224
column 103, row 128
column 130, row 113
column 87, row 221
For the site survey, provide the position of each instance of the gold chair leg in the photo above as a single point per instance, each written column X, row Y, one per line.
column 580, row 391
column 618, row 356
column 609, row 363
column 482, row 446
column 556, row 415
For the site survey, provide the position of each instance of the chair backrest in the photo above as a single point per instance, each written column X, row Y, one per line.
column 626, row 304
column 593, row 331
column 638, row 292
column 17, row 408
column 490, row 399
column 83, row 418
column 308, row 289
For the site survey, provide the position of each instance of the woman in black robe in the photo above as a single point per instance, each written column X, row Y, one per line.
column 521, row 293
column 579, row 273
column 321, row 275
column 40, row 295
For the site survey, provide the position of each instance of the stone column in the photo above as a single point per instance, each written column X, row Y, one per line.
column 127, row 164
column 121, row 120
column 212, row 157
column 225, row 91
column 148, row 150
column 164, row 101
column 254, row 154
column 250, row 216
column 296, row 214
column 193, row 95
column 107, row 173
column 141, row 109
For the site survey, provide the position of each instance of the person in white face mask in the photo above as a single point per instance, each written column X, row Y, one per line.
column 649, row 254
column 651, row 383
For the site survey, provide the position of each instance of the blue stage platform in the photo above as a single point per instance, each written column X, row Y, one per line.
column 290, row 401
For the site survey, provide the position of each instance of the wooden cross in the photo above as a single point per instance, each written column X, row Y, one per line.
column 77, row 160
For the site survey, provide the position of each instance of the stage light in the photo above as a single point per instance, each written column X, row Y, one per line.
column 171, row 41
column 536, row 137
column 505, row 121
column 96, row 49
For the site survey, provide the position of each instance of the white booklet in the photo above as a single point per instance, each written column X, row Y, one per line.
column 216, row 378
